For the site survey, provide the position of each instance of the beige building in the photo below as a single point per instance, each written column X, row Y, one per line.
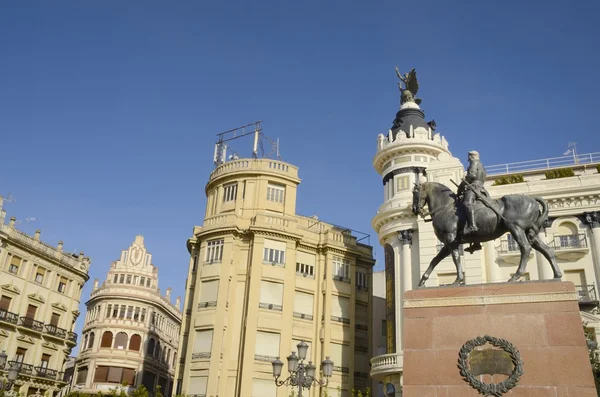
column 379, row 324
column 40, row 289
column 261, row 279
column 131, row 332
column 413, row 151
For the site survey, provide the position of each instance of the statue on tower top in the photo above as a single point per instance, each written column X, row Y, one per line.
column 411, row 86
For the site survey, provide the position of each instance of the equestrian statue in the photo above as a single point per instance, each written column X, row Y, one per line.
column 471, row 217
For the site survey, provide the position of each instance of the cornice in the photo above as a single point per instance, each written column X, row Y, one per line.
column 492, row 299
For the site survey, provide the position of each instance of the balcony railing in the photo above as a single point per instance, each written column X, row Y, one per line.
column 30, row 323
column 56, row 331
column 386, row 364
column 340, row 319
column 260, row 357
column 587, row 294
column 44, row 372
column 72, row 336
column 202, row 305
column 270, row 306
column 196, row 356
column 569, row 241
column 8, row 317
column 508, row 246
column 24, row 369
column 303, row 316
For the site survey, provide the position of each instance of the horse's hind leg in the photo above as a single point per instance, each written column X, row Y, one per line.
column 444, row 252
column 460, row 277
column 525, row 247
column 539, row 245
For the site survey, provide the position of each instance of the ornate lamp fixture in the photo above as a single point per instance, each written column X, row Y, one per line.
column 13, row 373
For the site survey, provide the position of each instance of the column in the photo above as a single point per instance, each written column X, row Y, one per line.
column 405, row 237
column 544, row 269
column 493, row 272
column 593, row 220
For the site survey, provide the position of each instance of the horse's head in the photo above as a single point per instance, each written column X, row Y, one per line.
column 418, row 199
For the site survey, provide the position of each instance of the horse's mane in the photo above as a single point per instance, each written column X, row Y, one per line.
column 438, row 188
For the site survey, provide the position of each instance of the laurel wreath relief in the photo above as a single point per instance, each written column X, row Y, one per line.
column 494, row 389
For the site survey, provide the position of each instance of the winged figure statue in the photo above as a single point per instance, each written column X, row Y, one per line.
column 411, row 86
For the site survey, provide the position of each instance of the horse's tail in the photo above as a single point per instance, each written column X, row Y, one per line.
column 538, row 224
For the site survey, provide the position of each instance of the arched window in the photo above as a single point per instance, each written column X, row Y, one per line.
column 107, row 338
column 85, row 342
column 90, row 344
column 174, row 359
column 135, row 342
column 121, row 341
column 150, row 348
column 157, row 351
column 164, row 354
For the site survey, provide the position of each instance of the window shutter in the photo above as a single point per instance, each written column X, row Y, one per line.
column 303, row 303
column 197, row 385
column 101, row 374
column 340, row 307
column 203, row 341
column 271, row 293
column 336, row 352
column 306, row 258
column 31, row 311
column 114, row 374
column 267, row 344
column 263, row 388
column 81, row 375
column 5, row 303
column 209, row 291
column 129, row 376
column 274, row 244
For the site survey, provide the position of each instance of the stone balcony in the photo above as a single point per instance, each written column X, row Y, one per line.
column 386, row 365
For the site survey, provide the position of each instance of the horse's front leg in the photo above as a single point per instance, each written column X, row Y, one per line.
column 519, row 235
column 444, row 252
column 460, row 276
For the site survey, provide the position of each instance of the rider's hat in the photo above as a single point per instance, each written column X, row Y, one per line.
column 474, row 153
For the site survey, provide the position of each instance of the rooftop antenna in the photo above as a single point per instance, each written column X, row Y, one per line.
column 28, row 219
column 572, row 150
column 258, row 146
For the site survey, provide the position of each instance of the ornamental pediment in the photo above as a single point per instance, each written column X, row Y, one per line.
column 25, row 339
column 37, row 298
column 3, row 333
column 59, row 306
column 50, row 345
column 76, row 313
column 11, row 288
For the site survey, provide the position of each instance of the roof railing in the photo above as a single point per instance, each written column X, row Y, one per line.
column 544, row 164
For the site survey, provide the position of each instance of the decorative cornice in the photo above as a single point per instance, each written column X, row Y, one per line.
column 274, row 234
column 59, row 306
column 592, row 219
column 25, row 339
column 37, row 297
column 305, row 247
column 491, row 300
column 11, row 288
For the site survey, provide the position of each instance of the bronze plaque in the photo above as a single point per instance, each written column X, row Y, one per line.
column 490, row 362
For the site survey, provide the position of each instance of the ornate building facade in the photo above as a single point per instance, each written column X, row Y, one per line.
column 40, row 290
column 131, row 332
column 412, row 151
column 261, row 279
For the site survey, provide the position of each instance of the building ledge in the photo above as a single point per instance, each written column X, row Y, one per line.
column 386, row 365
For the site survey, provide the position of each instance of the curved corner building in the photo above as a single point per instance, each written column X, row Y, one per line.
column 261, row 279
column 131, row 332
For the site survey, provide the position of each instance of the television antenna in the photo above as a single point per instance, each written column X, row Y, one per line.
column 28, row 219
column 258, row 148
column 572, row 150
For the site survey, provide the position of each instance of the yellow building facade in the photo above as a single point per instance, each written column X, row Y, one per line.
column 263, row 278
column 40, row 291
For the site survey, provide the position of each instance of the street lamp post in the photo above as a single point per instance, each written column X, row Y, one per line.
column 13, row 373
column 301, row 375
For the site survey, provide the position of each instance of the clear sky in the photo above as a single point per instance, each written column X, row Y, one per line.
column 109, row 109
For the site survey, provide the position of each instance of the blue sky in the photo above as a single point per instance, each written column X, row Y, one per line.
column 109, row 110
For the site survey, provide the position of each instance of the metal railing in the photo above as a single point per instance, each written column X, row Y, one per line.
column 44, row 372
column 56, row 331
column 569, row 241
column 586, row 293
column 270, row 306
column 303, row 316
column 341, row 278
column 260, row 357
column 340, row 319
column 30, row 323
column 24, row 369
column 202, row 305
column 544, row 164
column 507, row 246
column 196, row 356
column 8, row 317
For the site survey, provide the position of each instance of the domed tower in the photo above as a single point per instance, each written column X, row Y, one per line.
column 131, row 332
column 410, row 152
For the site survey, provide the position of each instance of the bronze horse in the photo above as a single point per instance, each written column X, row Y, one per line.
column 521, row 216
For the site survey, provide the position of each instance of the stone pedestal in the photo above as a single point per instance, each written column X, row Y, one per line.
column 541, row 320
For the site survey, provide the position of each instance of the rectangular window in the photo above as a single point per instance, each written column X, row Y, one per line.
column 136, row 314
column 5, row 303
column 275, row 193
column 340, row 354
column 341, row 269
column 214, row 251
column 108, row 311
column 62, row 285
column 39, row 275
column 265, row 388
column 142, row 281
column 114, row 375
column 122, row 311
column 20, row 354
column 81, row 375
column 230, row 192
column 361, row 280
column 135, row 280
column 266, row 346
column 31, row 310
column 45, row 360
column 115, row 312
column 305, row 270
column 303, row 305
column 54, row 320
column 271, row 295
column 115, row 279
column 208, row 294
column 202, row 344
column 143, row 318
column 128, row 279
column 15, row 264
column 148, row 282
column 274, row 252
column 121, row 279
column 340, row 309
column 129, row 312
column 402, row 183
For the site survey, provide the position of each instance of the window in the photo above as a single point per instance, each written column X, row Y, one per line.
column 5, row 303
column 15, row 263
column 121, row 279
column 31, row 310
column 135, row 342
column 107, row 338
column 197, row 385
column 62, row 285
column 361, row 280
column 273, row 256
column 303, row 305
column 264, row 388
column 266, row 346
column 230, row 192
column 121, row 340
column 339, row 354
column 115, row 278
column 128, row 279
column 305, row 270
column 136, row 314
column 81, row 375
column 340, row 309
column 148, row 282
column 195, row 264
column 39, row 275
column 275, row 193
column 20, row 354
column 91, row 342
column 55, row 319
column 143, row 318
column 150, row 347
column 271, row 295
column 208, row 293
column 142, row 281
column 118, row 375
column 129, row 314
column 341, row 269
column 115, row 312
column 214, row 251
